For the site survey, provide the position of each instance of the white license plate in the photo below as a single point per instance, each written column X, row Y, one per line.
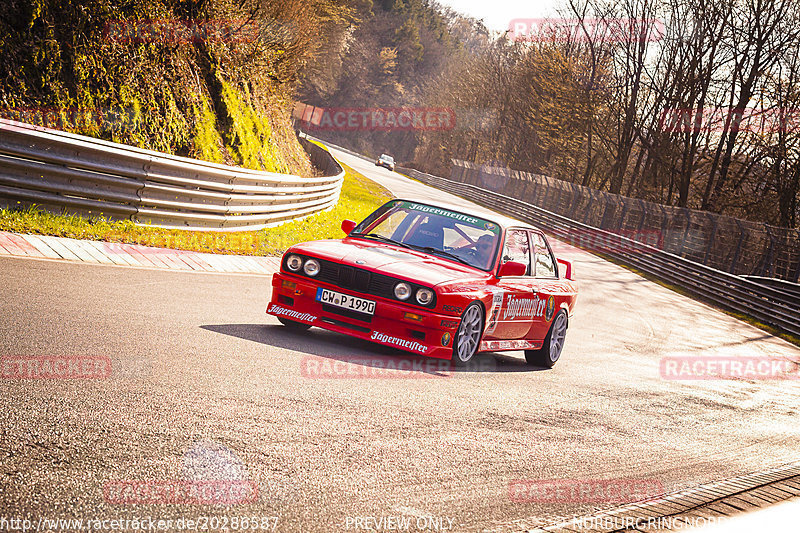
column 345, row 301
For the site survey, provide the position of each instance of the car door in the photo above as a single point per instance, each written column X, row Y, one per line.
column 544, row 281
column 510, row 319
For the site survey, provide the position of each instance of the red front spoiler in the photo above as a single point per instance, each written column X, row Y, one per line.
column 294, row 298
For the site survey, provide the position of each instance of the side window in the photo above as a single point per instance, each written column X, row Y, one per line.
column 517, row 248
column 545, row 263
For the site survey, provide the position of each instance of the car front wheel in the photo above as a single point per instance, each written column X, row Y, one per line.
column 550, row 351
column 468, row 335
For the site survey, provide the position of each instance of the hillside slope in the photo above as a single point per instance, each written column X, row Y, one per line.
column 208, row 79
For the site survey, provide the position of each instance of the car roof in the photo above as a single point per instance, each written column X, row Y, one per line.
column 500, row 220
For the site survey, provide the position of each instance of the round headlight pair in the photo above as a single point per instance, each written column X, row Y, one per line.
column 310, row 267
column 402, row 291
column 424, row 296
column 294, row 263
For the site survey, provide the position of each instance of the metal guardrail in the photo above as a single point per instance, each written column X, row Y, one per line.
column 780, row 284
column 337, row 147
column 76, row 173
column 774, row 306
column 737, row 246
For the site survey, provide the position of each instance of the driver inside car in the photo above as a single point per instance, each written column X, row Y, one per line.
column 483, row 250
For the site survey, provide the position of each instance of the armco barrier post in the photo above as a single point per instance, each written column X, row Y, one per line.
column 572, row 201
column 625, row 208
column 768, row 268
column 590, row 207
column 665, row 223
column 643, row 207
column 608, row 206
column 742, row 234
column 556, row 203
column 545, row 204
column 685, row 233
column 712, row 237
column 540, row 191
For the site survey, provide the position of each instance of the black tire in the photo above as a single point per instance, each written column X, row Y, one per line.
column 291, row 324
column 471, row 324
column 548, row 355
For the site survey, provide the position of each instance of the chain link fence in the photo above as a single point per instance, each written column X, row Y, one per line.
column 732, row 245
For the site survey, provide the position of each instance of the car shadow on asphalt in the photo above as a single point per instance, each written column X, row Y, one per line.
column 320, row 344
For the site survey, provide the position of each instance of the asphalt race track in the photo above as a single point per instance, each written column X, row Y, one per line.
column 205, row 386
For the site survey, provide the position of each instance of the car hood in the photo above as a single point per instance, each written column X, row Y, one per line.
column 391, row 260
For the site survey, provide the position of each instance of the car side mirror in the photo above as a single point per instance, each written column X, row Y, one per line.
column 567, row 268
column 348, row 226
column 512, row 268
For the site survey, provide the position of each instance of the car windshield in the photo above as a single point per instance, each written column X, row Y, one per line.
column 387, row 158
column 449, row 234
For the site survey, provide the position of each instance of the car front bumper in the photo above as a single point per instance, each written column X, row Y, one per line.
column 423, row 333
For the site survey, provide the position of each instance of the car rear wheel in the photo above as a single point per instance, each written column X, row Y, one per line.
column 291, row 324
column 468, row 335
column 550, row 351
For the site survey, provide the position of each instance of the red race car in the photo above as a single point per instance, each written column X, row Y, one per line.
column 431, row 280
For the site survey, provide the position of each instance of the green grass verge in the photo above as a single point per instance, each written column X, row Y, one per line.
column 360, row 196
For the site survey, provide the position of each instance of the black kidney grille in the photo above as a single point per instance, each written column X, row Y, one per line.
column 350, row 278
column 329, row 272
column 361, row 280
column 346, row 274
column 381, row 285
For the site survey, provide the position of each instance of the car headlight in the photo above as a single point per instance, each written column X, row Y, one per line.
column 424, row 296
column 311, row 268
column 294, row 262
column 402, row 291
